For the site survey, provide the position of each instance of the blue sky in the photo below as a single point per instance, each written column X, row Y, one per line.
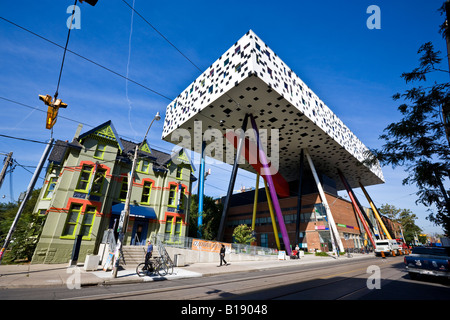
column 353, row 69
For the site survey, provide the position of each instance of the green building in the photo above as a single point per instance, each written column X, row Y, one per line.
column 85, row 189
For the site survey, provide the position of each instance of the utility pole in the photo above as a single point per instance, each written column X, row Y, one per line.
column 5, row 166
column 125, row 214
column 27, row 196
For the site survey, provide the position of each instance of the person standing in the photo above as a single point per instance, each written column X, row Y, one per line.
column 222, row 255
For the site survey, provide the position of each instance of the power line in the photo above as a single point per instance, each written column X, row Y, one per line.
column 164, row 37
column 65, row 50
column 87, row 59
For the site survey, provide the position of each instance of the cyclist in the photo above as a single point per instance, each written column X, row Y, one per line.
column 148, row 255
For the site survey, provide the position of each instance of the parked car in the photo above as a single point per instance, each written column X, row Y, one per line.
column 433, row 261
column 387, row 247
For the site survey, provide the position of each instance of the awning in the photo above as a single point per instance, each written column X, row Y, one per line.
column 135, row 211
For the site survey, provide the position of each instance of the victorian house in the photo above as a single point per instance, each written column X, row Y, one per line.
column 86, row 186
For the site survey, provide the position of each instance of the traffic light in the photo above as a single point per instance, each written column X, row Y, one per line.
column 52, row 110
column 91, row 2
column 47, row 99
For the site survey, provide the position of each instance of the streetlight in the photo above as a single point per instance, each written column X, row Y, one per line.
column 123, row 221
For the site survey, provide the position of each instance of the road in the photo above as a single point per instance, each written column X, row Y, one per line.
column 368, row 279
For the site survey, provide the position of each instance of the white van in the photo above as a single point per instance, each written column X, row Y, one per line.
column 386, row 246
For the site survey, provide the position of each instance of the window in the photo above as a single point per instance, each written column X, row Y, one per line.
column 143, row 166
column 146, row 192
column 83, row 181
column 238, row 68
column 98, row 181
column 178, row 226
column 72, row 220
column 264, row 240
column 179, row 172
column 172, row 195
column 100, row 151
column 123, row 189
column 169, row 221
column 50, row 187
column 183, row 192
column 88, row 221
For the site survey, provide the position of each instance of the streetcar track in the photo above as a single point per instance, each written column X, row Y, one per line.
column 213, row 284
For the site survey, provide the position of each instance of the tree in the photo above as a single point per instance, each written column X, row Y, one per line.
column 212, row 212
column 243, row 234
column 419, row 141
column 403, row 216
column 27, row 232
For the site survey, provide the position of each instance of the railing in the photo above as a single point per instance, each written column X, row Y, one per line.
column 164, row 255
column 186, row 243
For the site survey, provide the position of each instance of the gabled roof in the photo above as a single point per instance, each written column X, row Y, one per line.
column 58, row 152
column 106, row 131
column 181, row 156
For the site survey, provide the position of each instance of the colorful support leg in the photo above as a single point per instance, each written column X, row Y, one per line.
column 375, row 211
column 201, row 188
column 333, row 229
column 358, row 211
column 272, row 216
column 265, row 171
column 232, row 180
column 255, row 203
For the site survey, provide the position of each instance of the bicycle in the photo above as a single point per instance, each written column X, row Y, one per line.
column 149, row 268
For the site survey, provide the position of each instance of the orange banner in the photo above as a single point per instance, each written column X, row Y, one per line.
column 209, row 246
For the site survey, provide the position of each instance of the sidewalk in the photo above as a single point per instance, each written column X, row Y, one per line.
column 45, row 275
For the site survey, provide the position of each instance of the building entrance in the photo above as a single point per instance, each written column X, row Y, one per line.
column 139, row 233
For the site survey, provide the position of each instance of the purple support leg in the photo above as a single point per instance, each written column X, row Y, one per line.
column 273, row 193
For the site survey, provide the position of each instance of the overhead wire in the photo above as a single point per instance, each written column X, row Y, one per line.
column 87, row 59
column 108, row 69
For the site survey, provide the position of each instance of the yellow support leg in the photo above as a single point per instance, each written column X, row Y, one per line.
column 375, row 211
column 255, row 203
column 272, row 216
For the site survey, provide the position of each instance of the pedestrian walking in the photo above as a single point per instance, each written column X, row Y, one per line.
column 297, row 249
column 222, row 256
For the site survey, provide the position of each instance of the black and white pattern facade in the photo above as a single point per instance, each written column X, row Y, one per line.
column 251, row 78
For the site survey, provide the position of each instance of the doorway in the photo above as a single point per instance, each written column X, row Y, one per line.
column 139, row 233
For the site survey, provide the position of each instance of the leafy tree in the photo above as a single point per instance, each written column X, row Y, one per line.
column 405, row 217
column 419, row 141
column 27, row 232
column 212, row 212
column 243, row 234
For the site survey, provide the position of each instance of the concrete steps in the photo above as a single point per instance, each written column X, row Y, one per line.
column 134, row 255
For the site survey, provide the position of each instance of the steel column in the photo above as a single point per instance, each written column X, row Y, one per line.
column 355, row 205
column 265, row 172
column 333, row 229
column 299, row 199
column 375, row 211
column 201, row 191
column 232, row 180
column 255, row 202
column 272, row 216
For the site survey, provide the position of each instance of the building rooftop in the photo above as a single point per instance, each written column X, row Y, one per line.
column 250, row 78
